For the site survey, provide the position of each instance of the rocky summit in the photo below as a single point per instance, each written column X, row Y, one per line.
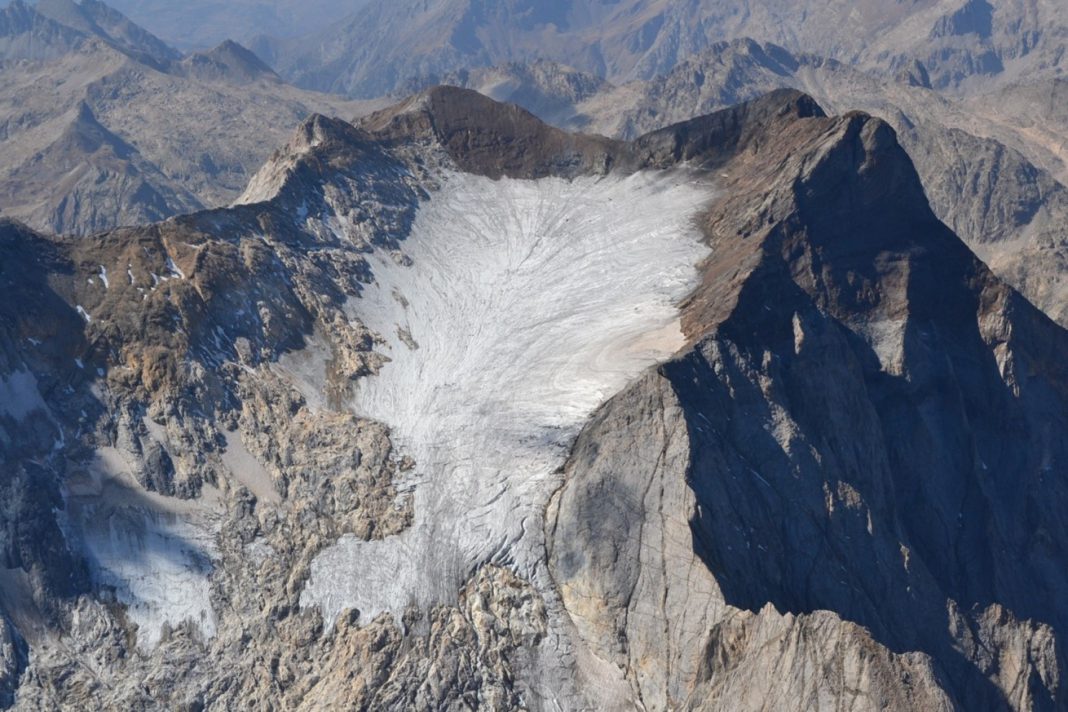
column 456, row 410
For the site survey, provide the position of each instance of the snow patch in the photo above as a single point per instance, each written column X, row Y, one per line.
column 531, row 302
column 85, row 315
column 173, row 269
column 153, row 552
column 19, row 395
column 104, row 277
column 156, row 567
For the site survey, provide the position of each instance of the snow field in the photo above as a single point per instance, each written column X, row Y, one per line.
column 526, row 305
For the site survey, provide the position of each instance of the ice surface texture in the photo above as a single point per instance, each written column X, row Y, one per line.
column 154, row 564
column 526, row 305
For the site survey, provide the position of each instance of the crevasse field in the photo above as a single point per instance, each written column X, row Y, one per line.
column 525, row 306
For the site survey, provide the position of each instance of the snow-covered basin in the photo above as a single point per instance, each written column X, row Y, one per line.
column 525, row 306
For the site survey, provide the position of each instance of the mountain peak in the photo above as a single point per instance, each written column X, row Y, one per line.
column 491, row 138
column 719, row 136
column 231, row 62
column 85, row 135
column 841, row 214
column 95, row 18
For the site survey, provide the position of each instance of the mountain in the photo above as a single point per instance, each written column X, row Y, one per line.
column 94, row 18
column 554, row 92
column 91, row 178
column 963, row 46
column 197, row 24
column 994, row 179
column 26, row 34
column 991, row 173
column 804, row 421
column 228, row 62
column 971, row 87
column 454, row 408
column 182, row 132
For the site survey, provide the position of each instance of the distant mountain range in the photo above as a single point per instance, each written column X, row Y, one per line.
column 963, row 45
column 103, row 124
column 198, row 24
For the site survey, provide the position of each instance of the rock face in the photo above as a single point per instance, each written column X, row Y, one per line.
column 829, row 459
column 829, row 477
column 102, row 124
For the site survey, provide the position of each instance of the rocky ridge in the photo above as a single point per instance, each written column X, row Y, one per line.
column 793, row 467
column 84, row 69
column 962, row 46
column 993, row 176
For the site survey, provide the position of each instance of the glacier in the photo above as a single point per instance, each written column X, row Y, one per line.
column 523, row 306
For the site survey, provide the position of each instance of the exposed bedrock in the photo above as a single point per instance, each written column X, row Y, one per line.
column 859, row 435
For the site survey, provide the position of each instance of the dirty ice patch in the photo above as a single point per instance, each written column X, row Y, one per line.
column 153, row 553
column 526, row 305
column 156, row 568
column 19, row 395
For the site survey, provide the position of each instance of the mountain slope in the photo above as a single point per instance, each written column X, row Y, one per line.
column 26, row 34
column 230, row 410
column 94, row 18
column 92, row 179
column 835, row 424
column 196, row 127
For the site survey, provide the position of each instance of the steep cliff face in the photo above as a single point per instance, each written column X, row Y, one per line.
column 861, row 427
column 302, row 452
